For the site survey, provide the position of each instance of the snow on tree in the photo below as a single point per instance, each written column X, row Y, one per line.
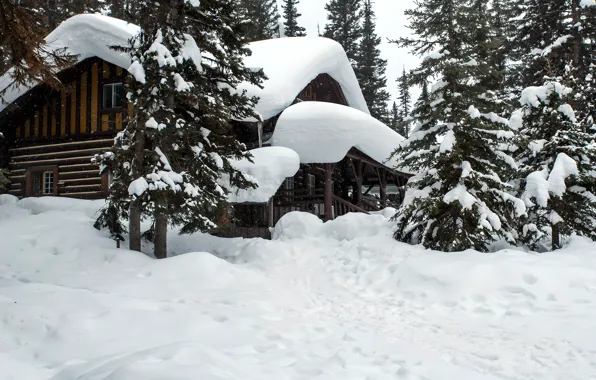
column 168, row 163
column 459, row 148
column 370, row 68
column 262, row 18
column 558, row 168
column 344, row 25
column 291, row 15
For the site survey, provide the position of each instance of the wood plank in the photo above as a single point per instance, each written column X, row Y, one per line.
column 49, row 162
column 63, row 153
column 118, row 70
column 27, row 128
column 79, row 174
column 58, row 146
column 130, row 110
column 63, row 112
column 66, row 169
column 105, row 122
column 106, row 70
column 36, row 124
column 83, row 104
column 94, row 98
column 119, row 121
column 45, row 121
column 54, row 109
column 73, row 110
column 18, row 132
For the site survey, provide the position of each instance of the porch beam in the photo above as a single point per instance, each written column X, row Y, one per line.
column 328, row 192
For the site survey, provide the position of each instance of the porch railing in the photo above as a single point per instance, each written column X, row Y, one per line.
column 342, row 207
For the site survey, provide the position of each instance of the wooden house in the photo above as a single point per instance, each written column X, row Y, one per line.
column 50, row 136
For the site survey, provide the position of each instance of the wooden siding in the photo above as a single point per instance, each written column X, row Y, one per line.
column 75, row 113
column 77, row 176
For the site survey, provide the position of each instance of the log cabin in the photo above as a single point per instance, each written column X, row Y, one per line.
column 50, row 136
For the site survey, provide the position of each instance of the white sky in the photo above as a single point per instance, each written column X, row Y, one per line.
column 391, row 23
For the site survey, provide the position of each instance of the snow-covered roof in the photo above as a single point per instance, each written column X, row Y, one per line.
column 86, row 35
column 291, row 64
column 272, row 165
column 324, row 133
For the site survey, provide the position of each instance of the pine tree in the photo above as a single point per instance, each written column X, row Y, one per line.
column 291, row 15
column 404, row 104
column 262, row 17
column 459, row 148
column 23, row 48
column 176, row 149
column 344, row 25
column 395, row 118
column 370, row 68
column 558, row 168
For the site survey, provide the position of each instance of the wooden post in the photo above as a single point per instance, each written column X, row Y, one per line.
column 328, row 192
column 382, row 186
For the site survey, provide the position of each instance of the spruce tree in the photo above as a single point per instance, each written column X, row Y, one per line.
column 404, row 104
column 262, row 17
column 344, row 18
column 459, row 149
column 370, row 68
column 175, row 152
column 395, row 118
column 558, row 167
column 291, row 15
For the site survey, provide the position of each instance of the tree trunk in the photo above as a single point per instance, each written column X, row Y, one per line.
column 161, row 229
column 556, row 237
column 134, row 222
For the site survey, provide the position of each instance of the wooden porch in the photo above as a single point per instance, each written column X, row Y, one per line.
column 325, row 190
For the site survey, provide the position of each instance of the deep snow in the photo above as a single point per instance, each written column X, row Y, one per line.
column 338, row 300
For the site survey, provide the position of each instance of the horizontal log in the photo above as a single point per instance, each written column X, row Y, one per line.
column 79, row 182
column 59, row 162
column 80, row 188
column 85, row 195
column 78, row 168
column 79, row 174
column 57, row 146
column 56, row 155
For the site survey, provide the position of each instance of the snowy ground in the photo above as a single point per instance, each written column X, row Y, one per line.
column 334, row 301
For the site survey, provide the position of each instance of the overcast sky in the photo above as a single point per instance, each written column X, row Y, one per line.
column 391, row 23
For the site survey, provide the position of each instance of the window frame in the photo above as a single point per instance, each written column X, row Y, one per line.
column 311, row 183
column 112, row 84
column 41, row 171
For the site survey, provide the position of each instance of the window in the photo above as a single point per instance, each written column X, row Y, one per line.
column 289, row 183
column 48, row 183
column 310, row 183
column 113, row 94
column 41, row 181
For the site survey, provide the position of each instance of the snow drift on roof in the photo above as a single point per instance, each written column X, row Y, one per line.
column 324, row 133
column 291, row 64
column 272, row 165
column 86, row 36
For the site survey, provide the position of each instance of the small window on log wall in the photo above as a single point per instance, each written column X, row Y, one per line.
column 41, row 181
column 113, row 95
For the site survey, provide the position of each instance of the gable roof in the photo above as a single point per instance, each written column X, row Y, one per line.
column 290, row 63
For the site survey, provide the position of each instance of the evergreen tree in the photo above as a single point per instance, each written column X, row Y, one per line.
column 395, row 118
column 459, row 147
column 558, row 168
column 344, row 25
column 291, row 15
column 404, row 104
column 23, row 48
column 262, row 17
column 370, row 68
column 176, row 149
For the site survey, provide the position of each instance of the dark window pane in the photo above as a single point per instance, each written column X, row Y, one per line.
column 118, row 94
column 107, row 96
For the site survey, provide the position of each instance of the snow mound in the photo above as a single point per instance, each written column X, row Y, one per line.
column 270, row 167
column 345, row 303
column 86, row 36
column 291, row 64
column 324, row 133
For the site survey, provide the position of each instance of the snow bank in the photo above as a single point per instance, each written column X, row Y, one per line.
column 291, row 64
column 344, row 301
column 85, row 35
column 270, row 167
column 324, row 133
